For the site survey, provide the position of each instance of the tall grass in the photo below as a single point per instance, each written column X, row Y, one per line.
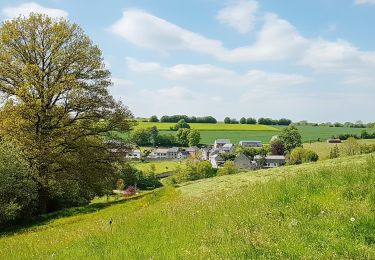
column 323, row 210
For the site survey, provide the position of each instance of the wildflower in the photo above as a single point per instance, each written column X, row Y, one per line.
column 352, row 219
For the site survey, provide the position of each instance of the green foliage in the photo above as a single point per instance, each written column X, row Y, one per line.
column 194, row 171
column 251, row 121
column 334, row 152
column 18, row 190
column 57, row 108
column 182, row 136
column 277, row 147
column 137, row 178
column 300, row 155
column 180, row 124
column 153, row 119
column 350, row 147
column 227, row 169
column 194, row 137
column 141, row 136
column 291, row 138
column 227, row 120
column 243, row 120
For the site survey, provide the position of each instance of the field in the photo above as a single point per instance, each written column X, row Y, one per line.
column 160, row 166
column 324, row 210
column 309, row 134
column 323, row 148
column 210, row 127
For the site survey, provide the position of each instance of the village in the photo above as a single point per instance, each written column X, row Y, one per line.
column 215, row 154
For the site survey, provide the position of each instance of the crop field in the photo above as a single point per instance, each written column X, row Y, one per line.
column 210, row 127
column 323, row 210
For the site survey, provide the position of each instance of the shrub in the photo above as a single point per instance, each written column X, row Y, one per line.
column 18, row 191
column 277, row 147
column 227, row 169
column 300, row 155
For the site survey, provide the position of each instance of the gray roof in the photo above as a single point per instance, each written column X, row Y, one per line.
column 173, row 150
column 271, row 157
column 222, row 141
column 192, row 149
column 227, row 145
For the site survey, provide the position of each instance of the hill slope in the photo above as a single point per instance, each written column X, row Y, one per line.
column 323, row 210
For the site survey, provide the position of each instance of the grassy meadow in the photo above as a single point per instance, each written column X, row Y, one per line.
column 323, row 148
column 322, row 210
column 159, row 166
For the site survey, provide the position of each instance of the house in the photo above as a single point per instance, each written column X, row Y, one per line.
column 205, row 153
column 135, row 154
column 271, row 161
column 219, row 143
column 243, row 162
column 216, row 160
column 227, row 148
column 251, row 143
column 165, row 153
column 193, row 151
column 334, row 141
column 182, row 155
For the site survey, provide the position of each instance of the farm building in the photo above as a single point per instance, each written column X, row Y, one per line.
column 219, row 143
column 182, row 155
column 165, row 153
column 334, row 141
column 271, row 161
column 251, row 143
column 135, row 154
column 227, row 148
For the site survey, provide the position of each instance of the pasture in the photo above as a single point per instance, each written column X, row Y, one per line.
column 321, row 210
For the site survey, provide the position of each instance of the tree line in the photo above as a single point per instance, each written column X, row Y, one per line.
column 261, row 121
column 187, row 119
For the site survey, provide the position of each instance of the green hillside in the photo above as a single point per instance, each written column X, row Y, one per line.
column 324, row 210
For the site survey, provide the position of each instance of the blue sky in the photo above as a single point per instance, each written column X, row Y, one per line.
column 312, row 60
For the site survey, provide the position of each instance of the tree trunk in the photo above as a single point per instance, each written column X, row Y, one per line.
column 43, row 200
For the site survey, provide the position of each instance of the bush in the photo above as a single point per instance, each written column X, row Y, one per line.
column 18, row 191
column 194, row 171
column 227, row 169
column 300, row 155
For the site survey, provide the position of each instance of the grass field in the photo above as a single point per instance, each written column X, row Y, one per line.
column 160, row 166
column 324, row 210
column 309, row 133
column 323, row 148
column 210, row 127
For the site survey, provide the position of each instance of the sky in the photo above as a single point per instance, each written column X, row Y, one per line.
column 304, row 60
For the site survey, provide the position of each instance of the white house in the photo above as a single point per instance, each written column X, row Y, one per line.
column 165, row 153
column 216, row 160
column 271, row 161
column 251, row 143
column 227, row 148
column 135, row 154
column 182, row 155
column 219, row 143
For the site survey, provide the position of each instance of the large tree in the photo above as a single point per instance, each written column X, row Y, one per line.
column 57, row 108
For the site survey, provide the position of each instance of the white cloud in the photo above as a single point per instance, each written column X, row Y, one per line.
column 364, row 2
column 240, row 16
column 176, row 93
column 217, row 76
column 27, row 8
column 151, row 32
column 276, row 40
